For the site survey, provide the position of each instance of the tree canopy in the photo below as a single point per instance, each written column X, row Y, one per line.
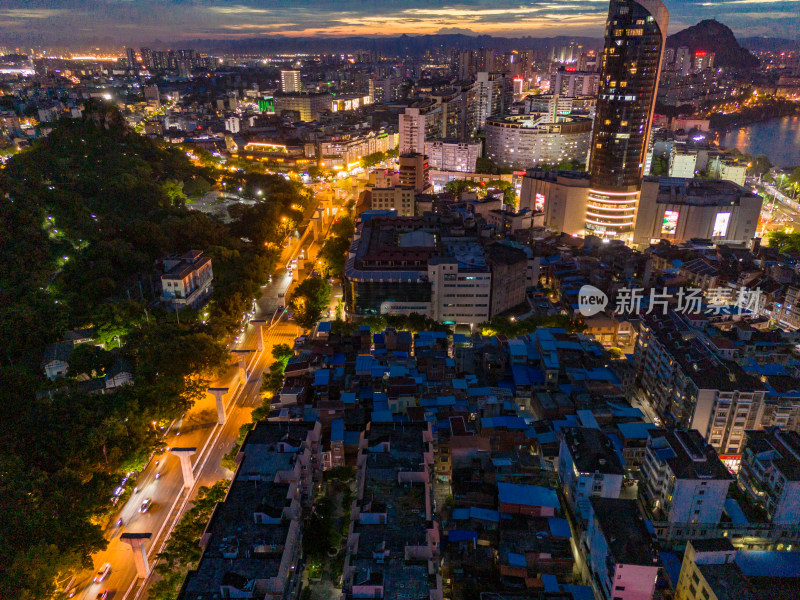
column 309, row 299
column 88, row 214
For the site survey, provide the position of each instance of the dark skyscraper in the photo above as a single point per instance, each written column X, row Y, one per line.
column 636, row 31
column 130, row 55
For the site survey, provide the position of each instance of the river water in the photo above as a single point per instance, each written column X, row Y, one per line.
column 778, row 138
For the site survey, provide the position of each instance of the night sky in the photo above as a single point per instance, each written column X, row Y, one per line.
column 139, row 21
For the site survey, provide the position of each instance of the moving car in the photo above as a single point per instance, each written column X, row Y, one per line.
column 102, row 595
column 102, row 573
column 146, row 505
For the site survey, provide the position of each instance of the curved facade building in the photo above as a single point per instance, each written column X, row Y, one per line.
column 521, row 142
column 636, row 32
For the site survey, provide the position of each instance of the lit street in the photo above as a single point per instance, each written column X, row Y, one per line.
column 198, row 429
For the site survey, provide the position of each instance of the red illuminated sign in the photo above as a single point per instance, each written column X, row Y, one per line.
column 700, row 53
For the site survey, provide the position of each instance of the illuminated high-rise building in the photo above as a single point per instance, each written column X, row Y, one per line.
column 290, row 82
column 147, row 57
column 636, row 31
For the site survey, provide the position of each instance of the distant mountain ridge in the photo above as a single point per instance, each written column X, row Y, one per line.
column 412, row 45
column 713, row 36
column 770, row 44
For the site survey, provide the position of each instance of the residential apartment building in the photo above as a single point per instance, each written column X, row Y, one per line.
column 385, row 90
column 574, row 83
column 393, row 541
column 346, row 151
column 412, row 130
column 691, row 387
column 770, row 473
column 397, row 198
column 788, row 315
column 622, row 556
column 414, row 171
column 290, row 82
column 252, row 545
column 186, row 280
column 588, row 466
column 453, row 156
column 713, row 569
column 491, row 94
column 684, row 480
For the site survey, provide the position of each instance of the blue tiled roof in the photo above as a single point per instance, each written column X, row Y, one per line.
column 337, row 430
column 550, row 582
column 457, row 535
column 507, row 422
column 548, row 437
column 579, row 592
column 735, row 512
column 338, row 359
column 483, row 514
column 322, row 377
column 398, row 371
column 622, row 410
column 382, row 416
column 460, row 514
column 348, row 397
column 559, row 527
column 635, row 431
column 364, row 363
column 324, row 326
column 516, row 560
column 672, row 565
column 587, row 419
column 352, row 438
column 528, row 495
column 762, row 563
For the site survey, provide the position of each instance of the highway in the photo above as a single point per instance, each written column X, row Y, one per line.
column 198, row 428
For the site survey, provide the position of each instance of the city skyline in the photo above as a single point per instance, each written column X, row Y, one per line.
column 48, row 21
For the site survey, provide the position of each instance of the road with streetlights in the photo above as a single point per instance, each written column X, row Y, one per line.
column 161, row 481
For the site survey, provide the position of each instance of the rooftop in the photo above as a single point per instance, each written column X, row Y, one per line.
column 687, row 454
column 592, row 451
column 781, row 448
column 628, row 538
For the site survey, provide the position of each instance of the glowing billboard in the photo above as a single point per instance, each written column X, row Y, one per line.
column 538, row 203
column 670, row 222
column 721, row 225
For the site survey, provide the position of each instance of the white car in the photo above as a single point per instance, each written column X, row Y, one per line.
column 102, row 573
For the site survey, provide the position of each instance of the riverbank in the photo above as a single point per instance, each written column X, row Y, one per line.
column 777, row 138
column 725, row 123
